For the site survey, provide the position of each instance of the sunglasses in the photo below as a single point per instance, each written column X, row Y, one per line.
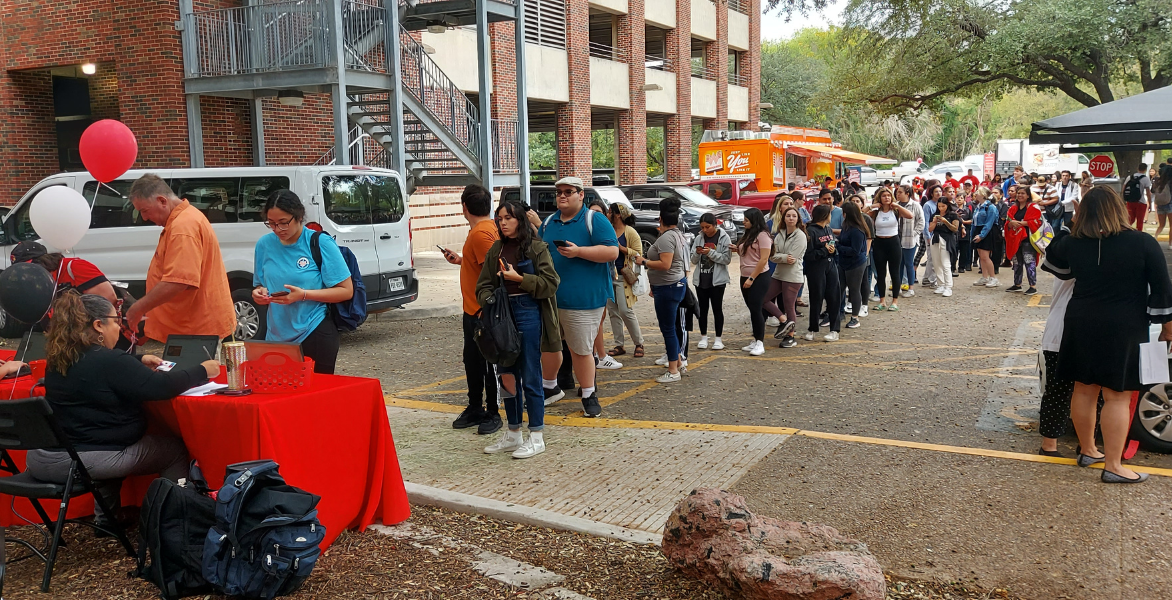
column 566, row 193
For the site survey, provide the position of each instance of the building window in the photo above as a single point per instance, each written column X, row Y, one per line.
column 700, row 67
column 545, row 23
column 735, row 61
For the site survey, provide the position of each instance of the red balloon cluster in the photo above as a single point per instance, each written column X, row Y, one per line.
column 108, row 149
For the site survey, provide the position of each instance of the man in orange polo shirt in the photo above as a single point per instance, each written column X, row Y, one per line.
column 187, row 285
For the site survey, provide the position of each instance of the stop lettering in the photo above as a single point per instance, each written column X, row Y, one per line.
column 1101, row 166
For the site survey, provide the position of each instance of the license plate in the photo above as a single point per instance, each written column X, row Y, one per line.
column 397, row 284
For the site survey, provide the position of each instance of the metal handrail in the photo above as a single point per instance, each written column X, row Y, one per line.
column 737, row 79
column 607, row 52
column 658, row 63
column 422, row 78
column 505, row 140
column 704, row 72
column 264, row 37
column 356, row 136
column 363, row 25
column 741, row 6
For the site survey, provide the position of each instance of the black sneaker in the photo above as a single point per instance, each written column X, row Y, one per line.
column 788, row 342
column 785, row 329
column 1013, row 288
column 1030, row 292
column 566, row 384
column 471, row 417
column 824, row 323
column 491, row 424
column 853, row 324
column 590, row 405
column 553, row 395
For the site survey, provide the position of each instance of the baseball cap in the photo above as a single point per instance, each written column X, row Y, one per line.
column 26, row 251
column 571, row 181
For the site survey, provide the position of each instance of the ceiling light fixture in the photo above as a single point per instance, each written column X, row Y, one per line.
column 290, row 98
column 89, row 68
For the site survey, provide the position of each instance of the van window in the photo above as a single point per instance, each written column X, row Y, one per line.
column 19, row 225
column 547, row 200
column 112, row 207
column 720, row 191
column 215, row 198
column 362, row 199
column 254, row 192
column 510, row 195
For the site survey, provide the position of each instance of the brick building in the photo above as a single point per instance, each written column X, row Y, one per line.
column 160, row 67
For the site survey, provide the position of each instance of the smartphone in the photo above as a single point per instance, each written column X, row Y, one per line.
column 442, row 249
column 561, row 243
column 279, row 294
column 165, row 366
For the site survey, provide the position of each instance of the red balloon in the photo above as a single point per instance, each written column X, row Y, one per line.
column 108, row 149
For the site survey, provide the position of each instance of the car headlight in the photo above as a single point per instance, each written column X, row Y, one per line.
column 728, row 225
column 738, row 215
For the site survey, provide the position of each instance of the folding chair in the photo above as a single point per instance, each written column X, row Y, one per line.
column 29, row 424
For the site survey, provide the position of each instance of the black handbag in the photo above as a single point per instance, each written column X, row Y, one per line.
column 496, row 334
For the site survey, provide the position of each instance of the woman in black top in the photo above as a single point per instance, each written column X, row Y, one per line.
column 821, row 267
column 1121, row 285
column 97, row 395
column 944, row 227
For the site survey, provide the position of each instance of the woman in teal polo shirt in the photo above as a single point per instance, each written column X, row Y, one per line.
column 298, row 312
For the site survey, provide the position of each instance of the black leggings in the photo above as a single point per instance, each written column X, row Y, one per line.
column 715, row 296
column 854, row 286
column 755, row 300
column 888, row 254
column 822, row 276
column 322, row 346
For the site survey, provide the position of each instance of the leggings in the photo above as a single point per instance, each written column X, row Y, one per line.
column 1025, row 257
column 1056, row 393
column 789, row 299
column 854, row 284
column 888, row 255
column 771, row 299
column 755, row 299
column 823, row 278
column 714, row 296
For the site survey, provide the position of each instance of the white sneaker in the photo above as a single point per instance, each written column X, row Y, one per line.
column 908, row 293
column 992, row 283
column 609, row 363
column 875, row 297
column 809, row 336
column 749, row 348
column 981, row 281
column 939, row 290
column 830, row 337
column 758, row 348
column 668, row 377
column 683, row 364
column 718, row 345
column 863, row 311
column 947, row 292
column 510, row 440
column 849, row 307
column 661, row 361
column 532, row 447
column 703, row 342
column 772, row 322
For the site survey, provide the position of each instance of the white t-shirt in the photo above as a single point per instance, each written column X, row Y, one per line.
column 886, row 224
column 1052, row 335
column 1068, row 194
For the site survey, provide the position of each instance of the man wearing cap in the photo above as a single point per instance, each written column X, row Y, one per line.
column 78, row 274
column 584, row 251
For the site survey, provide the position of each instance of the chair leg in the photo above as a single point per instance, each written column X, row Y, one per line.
column 3, row 561
column 117, row 529
column 57, row 532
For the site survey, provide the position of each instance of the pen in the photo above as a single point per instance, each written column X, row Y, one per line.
column 207, row 352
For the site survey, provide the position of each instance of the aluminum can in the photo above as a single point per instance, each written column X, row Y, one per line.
column 234, row 355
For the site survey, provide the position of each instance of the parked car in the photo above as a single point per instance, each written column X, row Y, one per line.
column 736, row 192
column 363, row 207
column 868, row 176
column 957, row 169
column 693, row 205
column 1152, row 422
column 545, row 199
column 908, row 167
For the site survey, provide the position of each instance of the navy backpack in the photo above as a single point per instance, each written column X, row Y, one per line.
column 350, row 314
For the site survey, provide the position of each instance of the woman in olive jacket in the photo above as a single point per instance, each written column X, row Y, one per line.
column 521, row 262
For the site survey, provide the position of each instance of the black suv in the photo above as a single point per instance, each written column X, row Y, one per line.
column 544, row 197
column 693, row 204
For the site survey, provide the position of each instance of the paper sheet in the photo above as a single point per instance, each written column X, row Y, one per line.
column 210, row 388
column 1153, row 363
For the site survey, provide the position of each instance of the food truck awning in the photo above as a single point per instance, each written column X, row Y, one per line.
column 846, row 156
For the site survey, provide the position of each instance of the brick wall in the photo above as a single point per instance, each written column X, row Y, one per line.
column 677, row 130
column 29, row 151
column 632, row 124
column 573, row 118
column 104, row 93
column 298, row 135
column 502, row 37
column 227, row 131
column 716, row 59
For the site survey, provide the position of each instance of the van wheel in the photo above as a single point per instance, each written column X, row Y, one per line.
column 647, row 240
column 250, row 316
column 1152, row 423
column 11, row 328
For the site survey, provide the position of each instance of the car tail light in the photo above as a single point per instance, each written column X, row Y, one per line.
column 411, row 242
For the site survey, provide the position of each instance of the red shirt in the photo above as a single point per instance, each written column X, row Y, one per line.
column 79, row 274
column 971, row 179
column 954, row 183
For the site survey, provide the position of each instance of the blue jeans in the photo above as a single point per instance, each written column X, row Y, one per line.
column 667, row 306
column 527, row 369
column 907, row 265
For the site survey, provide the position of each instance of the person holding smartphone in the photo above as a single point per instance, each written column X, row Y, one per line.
column 821, row 268
column 296, row 290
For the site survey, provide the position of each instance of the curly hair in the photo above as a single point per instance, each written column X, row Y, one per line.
column 71, row 329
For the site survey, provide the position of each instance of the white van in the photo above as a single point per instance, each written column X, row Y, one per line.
column 363, row 207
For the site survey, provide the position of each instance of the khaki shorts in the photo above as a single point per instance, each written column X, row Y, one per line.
column 579, row 328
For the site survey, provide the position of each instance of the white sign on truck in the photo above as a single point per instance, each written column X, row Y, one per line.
column 1037, row 158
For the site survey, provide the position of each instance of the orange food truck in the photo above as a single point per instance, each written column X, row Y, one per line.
column 772, row 160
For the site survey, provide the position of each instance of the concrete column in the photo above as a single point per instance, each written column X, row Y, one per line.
column 677, row 131
column 394, row 60
column 256, row 110
column 751, row 66
column 573, row 118
column 716, row 59
column 340, row 110
column 631, row 167
column 484, row 63
column 195, row 131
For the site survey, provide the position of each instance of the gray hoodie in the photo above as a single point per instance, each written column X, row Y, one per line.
column 717, row 259
column 784, row 246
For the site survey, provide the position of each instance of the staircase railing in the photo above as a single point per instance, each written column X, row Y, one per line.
column 430, row 86
column 227, row 41
column 504, row 146
column 357, row 149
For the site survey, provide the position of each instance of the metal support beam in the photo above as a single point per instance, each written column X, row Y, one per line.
column 522, row 106
column 338, row 90
column 258, row 132
column 484, row 64
column 194, row 131
column 395, row 93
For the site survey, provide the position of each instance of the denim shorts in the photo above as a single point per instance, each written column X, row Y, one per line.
column 1164, row 209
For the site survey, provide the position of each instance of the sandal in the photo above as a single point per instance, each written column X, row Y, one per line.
column 800, row 303
column 616, row 351
column 639, row 351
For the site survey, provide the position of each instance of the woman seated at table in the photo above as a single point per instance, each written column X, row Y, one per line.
column 299, row 311
column 97, row 394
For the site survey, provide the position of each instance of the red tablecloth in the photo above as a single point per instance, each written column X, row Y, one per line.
column 333, row 440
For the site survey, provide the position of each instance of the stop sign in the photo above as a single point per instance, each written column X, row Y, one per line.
column 1101, row 166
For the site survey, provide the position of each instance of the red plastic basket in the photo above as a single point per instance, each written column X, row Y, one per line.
column 274, row 372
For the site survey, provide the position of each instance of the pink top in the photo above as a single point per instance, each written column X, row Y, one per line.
column 752, row 256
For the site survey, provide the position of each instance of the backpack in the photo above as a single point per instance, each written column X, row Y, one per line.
column 496, row 334
column 173, row 525
column 1133, row 189
column 266, row 538
column 348, row 315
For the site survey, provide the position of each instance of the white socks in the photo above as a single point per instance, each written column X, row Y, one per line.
column 586, row 391
column 549, row 383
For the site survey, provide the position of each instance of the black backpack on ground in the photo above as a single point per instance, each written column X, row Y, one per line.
column 496, row 334
column 266, row 538
column 1133, row 190
column 173, row 525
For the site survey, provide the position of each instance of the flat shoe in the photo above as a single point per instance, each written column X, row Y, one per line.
column 616, row 351
column 639, row 351
column 1086, row 461
column 1045, row 452
column 1109, row 477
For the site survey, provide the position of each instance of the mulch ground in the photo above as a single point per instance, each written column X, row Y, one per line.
column 373, row 565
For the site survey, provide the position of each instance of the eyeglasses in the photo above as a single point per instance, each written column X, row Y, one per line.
column 115, row 317
column 566, row 193
column 282, row 224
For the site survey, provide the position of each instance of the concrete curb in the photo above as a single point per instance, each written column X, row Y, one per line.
column 464, row 503
column 423, row 312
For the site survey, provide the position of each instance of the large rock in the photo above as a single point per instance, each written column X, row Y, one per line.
column 714, row 537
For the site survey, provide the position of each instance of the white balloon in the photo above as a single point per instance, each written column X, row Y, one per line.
column 60, row 215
